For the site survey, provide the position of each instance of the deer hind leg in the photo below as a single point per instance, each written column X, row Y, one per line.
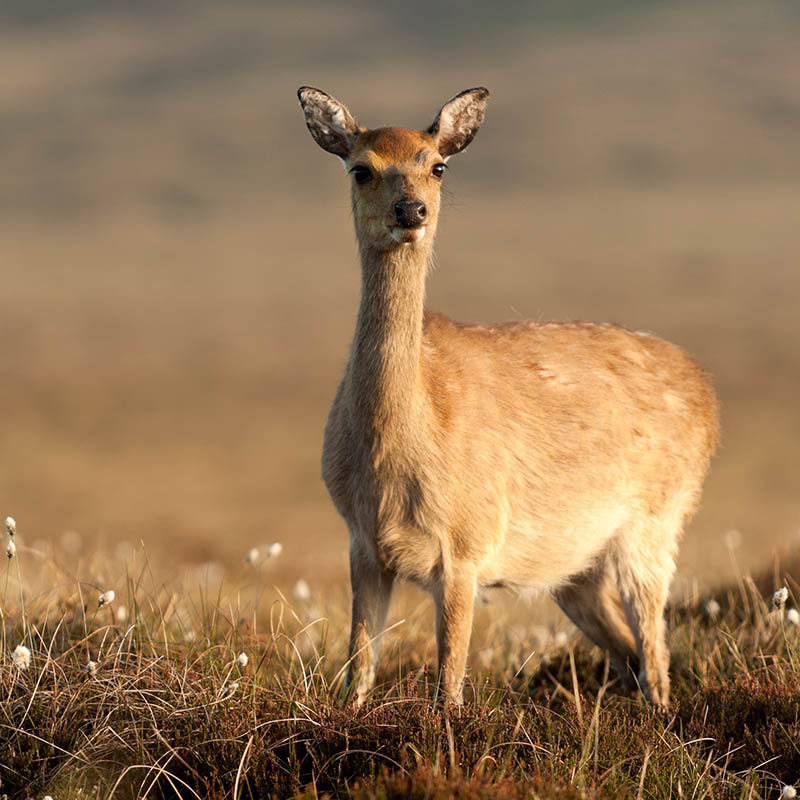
column 645, row 570
column 592, row 601
column 372, row 591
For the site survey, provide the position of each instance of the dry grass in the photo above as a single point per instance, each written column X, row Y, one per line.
column 168, row 710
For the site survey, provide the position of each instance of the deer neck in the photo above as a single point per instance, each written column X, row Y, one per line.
column 384, row 370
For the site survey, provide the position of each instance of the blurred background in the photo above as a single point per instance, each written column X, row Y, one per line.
column 178, row 268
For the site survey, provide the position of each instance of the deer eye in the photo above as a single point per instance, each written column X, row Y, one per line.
column 361, row 174
column 438, row 170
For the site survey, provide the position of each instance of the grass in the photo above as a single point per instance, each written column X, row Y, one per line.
column 169, row 710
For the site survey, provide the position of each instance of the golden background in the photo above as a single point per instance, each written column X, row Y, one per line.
column 178, row 268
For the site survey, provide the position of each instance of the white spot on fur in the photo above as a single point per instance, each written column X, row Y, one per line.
column 636, row 356
column 674, row 402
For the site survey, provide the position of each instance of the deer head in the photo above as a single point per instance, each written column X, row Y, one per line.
column 396, row 174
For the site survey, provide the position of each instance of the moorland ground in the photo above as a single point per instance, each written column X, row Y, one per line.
column 200, row 689
column 179, row 271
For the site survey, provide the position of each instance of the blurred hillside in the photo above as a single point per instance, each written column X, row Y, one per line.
column 178, row 267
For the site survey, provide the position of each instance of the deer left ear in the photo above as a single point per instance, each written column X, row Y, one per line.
column 457, row 123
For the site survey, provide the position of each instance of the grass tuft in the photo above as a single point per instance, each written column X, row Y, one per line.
column 144, row 692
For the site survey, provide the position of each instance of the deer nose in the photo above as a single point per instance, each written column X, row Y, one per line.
column 410, row 213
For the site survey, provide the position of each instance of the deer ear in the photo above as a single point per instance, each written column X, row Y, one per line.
column 457, row 123
column 328, row 121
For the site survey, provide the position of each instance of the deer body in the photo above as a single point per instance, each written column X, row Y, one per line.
column 560, row 456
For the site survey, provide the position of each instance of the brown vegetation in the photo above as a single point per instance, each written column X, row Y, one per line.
column 169, row 711
column 178, row 303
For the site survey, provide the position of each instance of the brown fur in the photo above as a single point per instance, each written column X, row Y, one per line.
column 561, row 456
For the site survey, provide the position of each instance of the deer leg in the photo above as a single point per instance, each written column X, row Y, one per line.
column 372, row 591
column 455, row 599
column 644, row 589
column 592, row 602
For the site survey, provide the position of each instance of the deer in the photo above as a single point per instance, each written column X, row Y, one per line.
column 565, row 457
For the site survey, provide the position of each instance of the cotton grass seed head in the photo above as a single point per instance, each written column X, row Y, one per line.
column 91, row 668
column 21, row 657
column 231, row 689
column 11, row 526
column 252, row 556
column 733, row 539
column 11, row 549
column 779, row 598
column 788, row 793
column 793, row 616
column 242, row 660
column 274, row 550
column 711, row 609
column 301, row 591
column 106, row 598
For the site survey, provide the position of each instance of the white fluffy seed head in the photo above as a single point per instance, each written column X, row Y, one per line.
column 301, row 591
column 242, row 660
column 121, row 614
column 11, row 526
column 780, row 597
column 711, row 608
column 91, row 668
column 21, row 657
column 274, row 550
column 788, row 793
column 232, row 689
column 733, row 539
column 252, row 556
column 106, row 598
column 793, row 616
column 11, row 549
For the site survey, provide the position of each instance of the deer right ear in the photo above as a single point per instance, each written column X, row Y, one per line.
column 328, row 121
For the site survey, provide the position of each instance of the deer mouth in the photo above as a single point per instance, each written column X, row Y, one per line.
column 408, row 235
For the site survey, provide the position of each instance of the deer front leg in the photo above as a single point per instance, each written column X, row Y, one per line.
column 372, row 590
column 455, row 600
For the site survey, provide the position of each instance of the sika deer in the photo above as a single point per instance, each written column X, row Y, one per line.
column 563, row 456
